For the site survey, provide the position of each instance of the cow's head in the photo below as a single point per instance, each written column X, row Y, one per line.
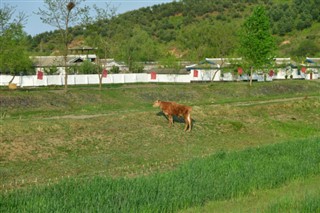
column 156, row 103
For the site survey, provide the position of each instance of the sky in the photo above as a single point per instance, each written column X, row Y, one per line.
column 35, row 26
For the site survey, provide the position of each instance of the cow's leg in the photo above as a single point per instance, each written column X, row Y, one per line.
column 170, row 120
column 187, row 120
column 190, row 120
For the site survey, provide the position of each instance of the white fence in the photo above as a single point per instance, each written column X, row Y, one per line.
column 194, row 76
column 47, row 80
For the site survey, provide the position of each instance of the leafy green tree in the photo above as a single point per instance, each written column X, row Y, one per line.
column 87, row 67
column 115, row 69
column 198, row 40
column 307, row 48
column 206, row 39
column 51, row 70
column 14, row 58
column 139, row 46
column 170, row 62
column 256, row 42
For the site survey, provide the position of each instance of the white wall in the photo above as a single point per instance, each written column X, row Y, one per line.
column 203, row 75
column 31, row 80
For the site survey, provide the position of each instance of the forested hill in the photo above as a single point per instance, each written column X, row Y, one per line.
column 193, row 30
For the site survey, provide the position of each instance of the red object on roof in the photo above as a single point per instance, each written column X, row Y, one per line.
column 240, row 70
column 303, row 69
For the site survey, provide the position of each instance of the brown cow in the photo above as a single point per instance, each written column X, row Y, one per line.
column 172, row 108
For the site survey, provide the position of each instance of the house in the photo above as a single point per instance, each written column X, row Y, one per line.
column 284, row 68
column 311, row 68
column 229, row 69
column 213, row 69
column 56, row 64
column 110, row 63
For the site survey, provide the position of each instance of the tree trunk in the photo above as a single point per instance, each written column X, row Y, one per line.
column 65, row 73
column 251, row 69
column 214, row 75
column 12, row 78
column 100, row 81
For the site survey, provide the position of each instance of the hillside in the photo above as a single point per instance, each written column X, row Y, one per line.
column 192, row 30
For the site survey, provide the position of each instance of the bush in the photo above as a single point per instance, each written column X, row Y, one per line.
column 88, row 67
column 137, row 68
column 114, row 69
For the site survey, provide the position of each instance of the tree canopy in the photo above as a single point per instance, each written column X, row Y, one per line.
column 193, row 29
column 14, row 57
column 256, row 42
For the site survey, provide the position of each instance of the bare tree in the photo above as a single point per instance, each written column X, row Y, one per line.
column 61, row 14
column 7, row 20
column 102, row 15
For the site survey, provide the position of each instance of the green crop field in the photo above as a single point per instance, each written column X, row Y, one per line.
column 89, row 150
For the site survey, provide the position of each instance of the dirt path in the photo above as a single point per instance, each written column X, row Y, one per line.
column 240, row 103
column 248, row 103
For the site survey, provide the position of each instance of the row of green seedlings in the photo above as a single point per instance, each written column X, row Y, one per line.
column 218, row 177
column 309, row 203
column 128, row 171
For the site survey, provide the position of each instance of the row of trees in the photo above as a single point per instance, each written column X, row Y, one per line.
column 134, row 43
column 256, row 43
column 165, row 27
column 298, row 15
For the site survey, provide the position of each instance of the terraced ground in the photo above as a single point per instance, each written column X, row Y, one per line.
column 49, row 136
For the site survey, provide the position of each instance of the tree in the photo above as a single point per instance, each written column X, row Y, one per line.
column 87, row 67
column 198, row 40
column 60, row 14
column 256, row 42
column 14, row 58
column 137, row 47
column 95, row 38
column 307, row 48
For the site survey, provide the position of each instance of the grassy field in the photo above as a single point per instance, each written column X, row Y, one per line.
column 85, row 138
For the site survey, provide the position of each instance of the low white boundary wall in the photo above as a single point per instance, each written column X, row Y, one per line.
column 47, row 80
column 202, row 75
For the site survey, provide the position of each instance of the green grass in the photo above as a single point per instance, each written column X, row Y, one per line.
column 48, row 134
column 218, row 177
column 299, row 195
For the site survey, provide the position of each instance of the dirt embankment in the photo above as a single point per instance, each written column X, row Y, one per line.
column 11, row 102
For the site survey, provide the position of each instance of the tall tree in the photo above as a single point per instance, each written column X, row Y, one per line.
column 138, row 46
column 14, row 58
column 61, row 14
column 96, row 39
column 256, row 42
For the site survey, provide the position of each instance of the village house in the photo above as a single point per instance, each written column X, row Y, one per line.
column 230, row 69
column 56, row 64
column 312, row 67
